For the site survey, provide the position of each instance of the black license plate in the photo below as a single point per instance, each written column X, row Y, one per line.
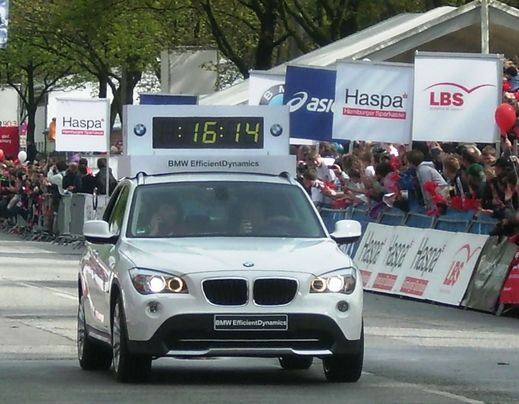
column 229, row 322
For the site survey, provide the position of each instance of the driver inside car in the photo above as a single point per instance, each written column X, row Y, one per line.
column 168, row 220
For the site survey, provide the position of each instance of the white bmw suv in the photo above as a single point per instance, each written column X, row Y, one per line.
column 213, row 265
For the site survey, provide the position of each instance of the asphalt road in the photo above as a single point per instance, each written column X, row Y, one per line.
column 415, row 352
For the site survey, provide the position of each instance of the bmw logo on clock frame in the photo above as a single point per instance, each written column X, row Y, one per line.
column 273, row 96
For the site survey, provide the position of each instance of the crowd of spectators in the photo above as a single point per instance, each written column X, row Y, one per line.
column 32, row 190
column 427, row 177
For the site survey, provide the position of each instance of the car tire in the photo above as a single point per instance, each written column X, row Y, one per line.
column 128, row 367
column 294, row 362
column 345, row 368
column 92, row 355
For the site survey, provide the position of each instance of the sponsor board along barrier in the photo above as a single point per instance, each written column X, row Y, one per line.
column 426, row 264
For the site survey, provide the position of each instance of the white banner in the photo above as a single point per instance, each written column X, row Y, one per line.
column 456, row 267
column 421, row 263
column 372, row 248
column 8, row 106
column 455, row 97
column 82, row 125
column 403, row 244
column 373, row 101
column 266, row 88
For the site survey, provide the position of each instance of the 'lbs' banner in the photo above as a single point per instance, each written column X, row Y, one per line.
column 373, row 101
column 455, row 97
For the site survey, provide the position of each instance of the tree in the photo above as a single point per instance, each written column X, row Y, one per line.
column 247, row 32
column 26, row 66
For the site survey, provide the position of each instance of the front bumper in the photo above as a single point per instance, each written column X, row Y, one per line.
column 183, row 325
column 192, row 335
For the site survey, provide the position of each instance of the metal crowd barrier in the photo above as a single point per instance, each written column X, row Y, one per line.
column 64, row 225
column 454, row 221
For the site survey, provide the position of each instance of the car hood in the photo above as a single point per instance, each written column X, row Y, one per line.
column 192, row 255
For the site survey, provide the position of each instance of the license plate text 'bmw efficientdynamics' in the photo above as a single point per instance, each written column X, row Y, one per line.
column 250, row 322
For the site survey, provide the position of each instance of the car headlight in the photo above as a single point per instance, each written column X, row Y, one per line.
column 340, row 281
column 148, row 282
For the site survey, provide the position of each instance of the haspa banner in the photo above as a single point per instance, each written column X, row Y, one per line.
column 455, row 97
column 373, row 101
column 309, row 94
column 491, row 272
column 421, row 263
column 9, row 141
column 82, row 125
column 510, row 292
column 266, row 88
column 369, row 255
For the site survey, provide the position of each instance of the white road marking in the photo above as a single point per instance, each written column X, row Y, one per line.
column 55, row 291
column 436, row 337
column 65, row 295
column 458, row 397
column 426, row 389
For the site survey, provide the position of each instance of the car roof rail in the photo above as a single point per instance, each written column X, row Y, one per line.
column 286, row 175
column 141, row 175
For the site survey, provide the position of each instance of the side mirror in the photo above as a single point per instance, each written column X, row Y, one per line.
column 98, row 231
column 346, row 231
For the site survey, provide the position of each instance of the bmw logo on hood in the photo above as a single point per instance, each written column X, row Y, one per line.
column 248, row 264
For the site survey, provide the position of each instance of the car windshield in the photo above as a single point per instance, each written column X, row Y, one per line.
column 222, row 208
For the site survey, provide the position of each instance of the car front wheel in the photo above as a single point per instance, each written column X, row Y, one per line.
column 345, row 368
column 128, row 367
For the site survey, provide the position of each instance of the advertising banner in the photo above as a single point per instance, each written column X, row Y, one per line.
column 82, row 125
column 373, row 101
column 455, row 97
column 8, row 107
column 372, row 248
column 455, row 266
column 491, row 272
column 510, row 292
column 310, row 93
column 266, row 88
column 420, row 263
column 9, row 141
column 403, row 246
column 4, row 18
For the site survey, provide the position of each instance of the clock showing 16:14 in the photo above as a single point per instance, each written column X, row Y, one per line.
column 208, row 132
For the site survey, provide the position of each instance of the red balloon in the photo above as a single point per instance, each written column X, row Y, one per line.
column 1, row 155
column 505, row 117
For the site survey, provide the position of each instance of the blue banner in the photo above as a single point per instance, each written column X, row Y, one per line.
column 4, row 18
column 167, row 99
column 310, row 94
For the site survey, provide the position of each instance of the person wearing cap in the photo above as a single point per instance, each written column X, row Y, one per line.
column 476, row 179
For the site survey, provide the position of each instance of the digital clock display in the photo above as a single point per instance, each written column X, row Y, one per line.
column 208, row 132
